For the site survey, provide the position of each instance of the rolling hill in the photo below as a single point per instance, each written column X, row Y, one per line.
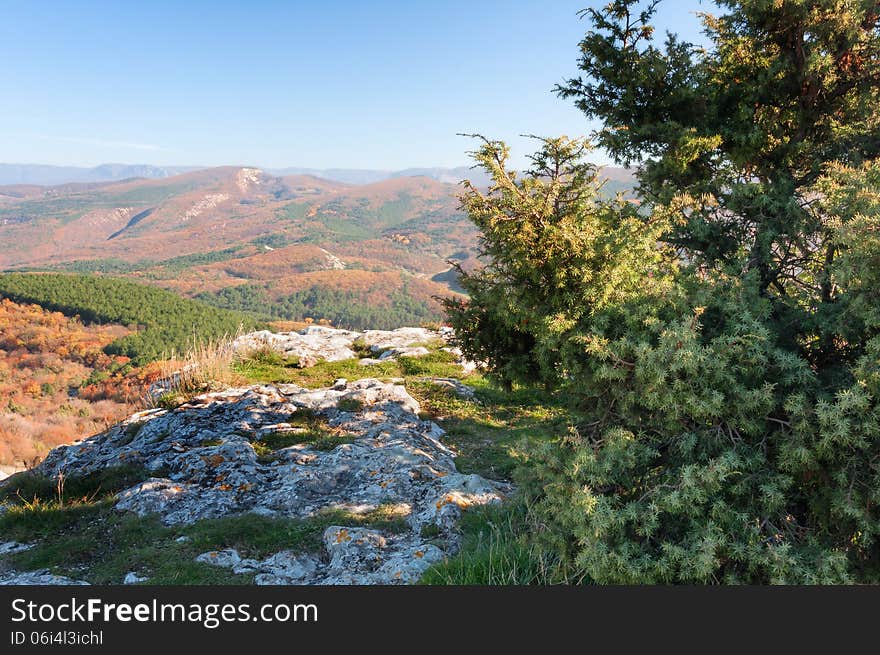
column 281, row 246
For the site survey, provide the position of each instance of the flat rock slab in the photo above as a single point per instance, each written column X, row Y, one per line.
column 10, row 547
column 311, row 345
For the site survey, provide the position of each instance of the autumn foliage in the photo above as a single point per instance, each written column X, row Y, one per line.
column 56, row 383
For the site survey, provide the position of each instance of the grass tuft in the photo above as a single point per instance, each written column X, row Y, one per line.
column 497, row 550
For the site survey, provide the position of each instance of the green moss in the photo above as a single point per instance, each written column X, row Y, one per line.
column 308, row 427
column 171, row 400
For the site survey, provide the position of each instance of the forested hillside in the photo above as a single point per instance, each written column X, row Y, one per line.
column 381, row 305
column 162, row 321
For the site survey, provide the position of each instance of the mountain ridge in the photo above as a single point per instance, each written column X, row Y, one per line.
column 51, row 175
column 283, row 247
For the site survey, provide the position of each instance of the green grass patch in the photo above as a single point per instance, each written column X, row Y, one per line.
column 322, row 374
column 307, row 428
column 439, row 364
column 30, row 487
column 257, row 536
column 94, row 542
column 490, row 435
column 497, row 549
column 267, row 365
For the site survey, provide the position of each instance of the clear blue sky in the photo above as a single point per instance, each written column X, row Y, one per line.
column 368, row 84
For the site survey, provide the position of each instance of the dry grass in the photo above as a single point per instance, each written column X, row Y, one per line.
column 206, row 366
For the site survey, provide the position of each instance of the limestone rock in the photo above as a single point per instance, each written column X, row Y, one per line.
column 205, row 465
column 311, row 345
column 133, row 578
column 10, row 547
column 382, row 340
column 454, row 386
column 353, row 556
column 41, row 577
column 319, row 343
column 228, row 558
column 404, row 351
column 364, row 556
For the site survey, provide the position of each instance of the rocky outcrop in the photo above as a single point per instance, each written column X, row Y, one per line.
column 319, row 343
column 205, row 465
column 455, row 387
column 311, row 345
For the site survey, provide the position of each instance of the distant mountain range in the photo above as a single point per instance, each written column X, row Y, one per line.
column 45, row 175
column 367, row 176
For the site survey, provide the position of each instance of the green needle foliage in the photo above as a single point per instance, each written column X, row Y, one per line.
column 719, row 342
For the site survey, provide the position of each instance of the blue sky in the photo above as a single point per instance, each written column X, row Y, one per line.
column 371, row 84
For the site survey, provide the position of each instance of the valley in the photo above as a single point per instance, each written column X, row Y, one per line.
column 288, row 247
column 241, row 238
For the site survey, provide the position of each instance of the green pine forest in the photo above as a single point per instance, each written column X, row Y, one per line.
column 165, row 322
column 341, row 308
